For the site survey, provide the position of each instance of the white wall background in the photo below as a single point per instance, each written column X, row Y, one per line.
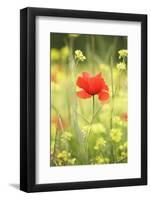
column 9, row 99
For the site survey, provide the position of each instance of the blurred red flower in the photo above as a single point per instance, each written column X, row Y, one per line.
column 124, row 116
column 92, row 85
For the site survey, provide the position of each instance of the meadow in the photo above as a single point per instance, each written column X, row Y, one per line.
column 89, row 99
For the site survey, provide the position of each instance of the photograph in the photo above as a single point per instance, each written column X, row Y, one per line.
column 83, row 84
column 88, row 99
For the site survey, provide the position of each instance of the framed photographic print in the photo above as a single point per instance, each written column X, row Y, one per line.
column 83, row 95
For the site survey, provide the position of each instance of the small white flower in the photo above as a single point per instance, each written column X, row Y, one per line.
column 123, row 53
column 79, row 55
column 121, row 66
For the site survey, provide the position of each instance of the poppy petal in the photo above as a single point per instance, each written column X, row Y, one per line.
column 103, row 96
column 98, row 75
column 103, row 84
column 82, row 83
column 93, row 85
column 86, row 75
column 82, row 94
column 96, row 84
column 106, row 87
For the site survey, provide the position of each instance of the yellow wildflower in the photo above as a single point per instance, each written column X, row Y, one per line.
column 64, row 158
column 121, row 66
column 100, row 160
column 79, row 55
column 123, row 53
column 95, row 128
column 73, row 35
column 99, row 143
column 116, row 134
column 55, row 54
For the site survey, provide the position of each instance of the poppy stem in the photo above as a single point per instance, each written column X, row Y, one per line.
column 93, row 108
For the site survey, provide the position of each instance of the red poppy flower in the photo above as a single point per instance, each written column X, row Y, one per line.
column 92, row 85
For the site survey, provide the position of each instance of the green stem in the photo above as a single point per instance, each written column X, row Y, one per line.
column 120, row 74
column 112, row 87
column 115, row 153
column 95, row 114
column 87, row 139
column 112, row 83
column 93, row 53
column 112, row 105
column 76, row 63
column 93, row 99
column 124, row 60
column 81, row 117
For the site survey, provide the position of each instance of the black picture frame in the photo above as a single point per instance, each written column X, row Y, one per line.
column 28, row 99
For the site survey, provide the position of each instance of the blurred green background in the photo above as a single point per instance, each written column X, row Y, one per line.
column 102, row 46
